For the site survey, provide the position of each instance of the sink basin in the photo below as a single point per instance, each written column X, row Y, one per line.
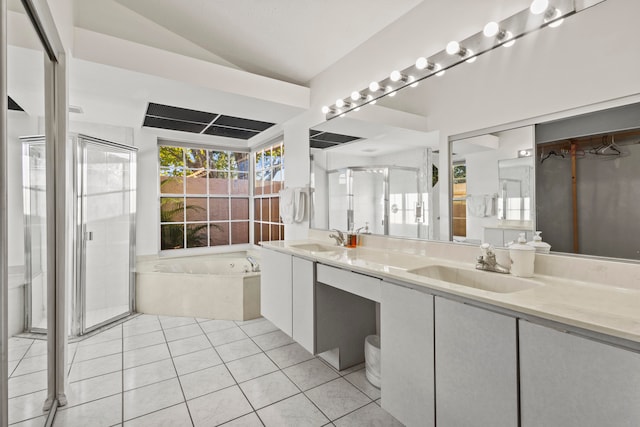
column 315, row 247
column 487, row 281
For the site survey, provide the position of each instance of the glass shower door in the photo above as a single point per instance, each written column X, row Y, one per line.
column 405, row 203
column 107, row 210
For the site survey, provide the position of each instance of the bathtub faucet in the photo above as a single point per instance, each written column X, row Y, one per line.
column 255, row 267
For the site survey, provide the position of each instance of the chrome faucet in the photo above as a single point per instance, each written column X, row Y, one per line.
column 339, row 238
column 487, row 261
column 255, row 267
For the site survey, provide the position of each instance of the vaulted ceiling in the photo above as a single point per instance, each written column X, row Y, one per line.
column 290, row 40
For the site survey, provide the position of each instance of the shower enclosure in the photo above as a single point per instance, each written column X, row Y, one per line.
column 104, row 234
column 386, row 198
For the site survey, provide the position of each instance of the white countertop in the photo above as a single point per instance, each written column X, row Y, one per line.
column 602, row 308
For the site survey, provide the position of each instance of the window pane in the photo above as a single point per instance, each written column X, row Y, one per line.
column 239, row 209
column 171, row 209
column 276, row 156
column 196, row 181
column 278, row 180
column 219, row 233
column 171, row 157
column 281, row 232
column 218, row 209
column 259, row 160
column 258, row 183
column 275, row 231
column 171, row 181
column 265, row 232
column 197, row 235
column 240, row 162
column 172, row 236
column 265, row 210
column 275, row 209
column 196, row 208
column 239, row 232
column 219, row 160
column 218, row 183
column 196, row 159
column 239, row 183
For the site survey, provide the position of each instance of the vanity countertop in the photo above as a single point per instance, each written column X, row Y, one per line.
column 601, row 308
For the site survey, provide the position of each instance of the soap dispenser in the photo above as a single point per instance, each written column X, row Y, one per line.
column 540, row 246
column 523, row 257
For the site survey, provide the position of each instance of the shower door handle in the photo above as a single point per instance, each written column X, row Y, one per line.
column 88, row 235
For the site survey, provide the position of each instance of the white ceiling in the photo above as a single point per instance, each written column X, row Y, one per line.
column 289, row 40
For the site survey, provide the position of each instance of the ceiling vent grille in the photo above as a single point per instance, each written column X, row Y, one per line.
column 322, row 140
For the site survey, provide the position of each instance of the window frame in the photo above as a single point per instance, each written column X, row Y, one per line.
column 276, row 170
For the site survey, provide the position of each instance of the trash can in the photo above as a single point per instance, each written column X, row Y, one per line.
column 372, row 359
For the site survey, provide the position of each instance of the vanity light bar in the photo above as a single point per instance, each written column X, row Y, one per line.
column 503, row 33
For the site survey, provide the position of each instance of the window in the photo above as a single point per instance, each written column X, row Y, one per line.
column 460, row 200
column 204, row 197
column 268, row 181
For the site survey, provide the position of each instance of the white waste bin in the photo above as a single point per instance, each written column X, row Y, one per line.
column 372, row 359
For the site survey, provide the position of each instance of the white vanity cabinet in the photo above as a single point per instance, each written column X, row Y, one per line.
column 276, row 289
column 407, row 373
column 476, row 364
column 570, row 381
column 303, row 303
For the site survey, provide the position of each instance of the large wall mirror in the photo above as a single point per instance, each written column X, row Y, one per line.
column 377, row 176
column 574, row 179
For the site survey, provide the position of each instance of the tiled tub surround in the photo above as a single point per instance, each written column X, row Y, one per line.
column 179, row 371
column 220, row 286
column 596, row 296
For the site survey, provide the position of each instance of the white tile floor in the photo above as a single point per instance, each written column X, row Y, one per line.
column 176, row 371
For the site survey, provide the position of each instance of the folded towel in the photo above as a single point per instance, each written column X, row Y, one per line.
column 287, row 205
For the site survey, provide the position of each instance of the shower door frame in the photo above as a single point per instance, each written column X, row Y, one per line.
column 78, row 321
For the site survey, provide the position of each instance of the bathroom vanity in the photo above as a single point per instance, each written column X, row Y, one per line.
column 461, row 347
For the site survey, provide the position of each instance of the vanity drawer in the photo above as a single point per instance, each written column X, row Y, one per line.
column 357, row 284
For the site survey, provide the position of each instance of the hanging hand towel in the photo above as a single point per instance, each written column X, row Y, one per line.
column 300, row 206
column 286, row 205
column 477, row 205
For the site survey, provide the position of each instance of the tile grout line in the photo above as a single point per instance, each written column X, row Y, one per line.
column 177, row 375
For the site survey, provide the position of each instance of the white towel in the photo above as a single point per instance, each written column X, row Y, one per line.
column 299, row 201
column 287, row 205
column 480, row 206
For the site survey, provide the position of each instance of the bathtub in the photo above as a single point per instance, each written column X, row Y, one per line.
column 220, row 286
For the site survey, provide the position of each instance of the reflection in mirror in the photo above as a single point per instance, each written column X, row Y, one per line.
column 493, row 187
column 587, row 193
column 374, row 177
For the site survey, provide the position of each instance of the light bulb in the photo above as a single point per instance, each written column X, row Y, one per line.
column 539, row 6
column 355, row 95
column 357, row 109
column 325, row 110
column 453, row 47
column 343, row 115
column 551, row 15
column 395, row 76
column 421, row 63
column 438, row 70
column 393, row 93
column 412, row 81
column 557, row 23
column 491, row 29
column 339, row 103
column 371, row 100
column 374, row 86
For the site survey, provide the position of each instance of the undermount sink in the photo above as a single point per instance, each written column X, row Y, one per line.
column 488, row 281
column 315, row 247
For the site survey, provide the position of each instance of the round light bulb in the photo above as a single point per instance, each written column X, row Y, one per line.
column 471, row 56
column 371, row 100
column 438, row 70
column 453, row 47
column 357, row 109
column 421, row 63
column 355, row 95
column 325, row 110
column 343, row 115
column 339, row 103
column 412, row 81
column 395, row 75
column 491, row 29
column 374, row 86
column 539, row 6
column 440, row 73
column 393, row 93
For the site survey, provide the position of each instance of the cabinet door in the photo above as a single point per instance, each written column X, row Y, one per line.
column 476, row 366
column 303, row 304
column 570, row 381
column 406, row 345
column 275, row 289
